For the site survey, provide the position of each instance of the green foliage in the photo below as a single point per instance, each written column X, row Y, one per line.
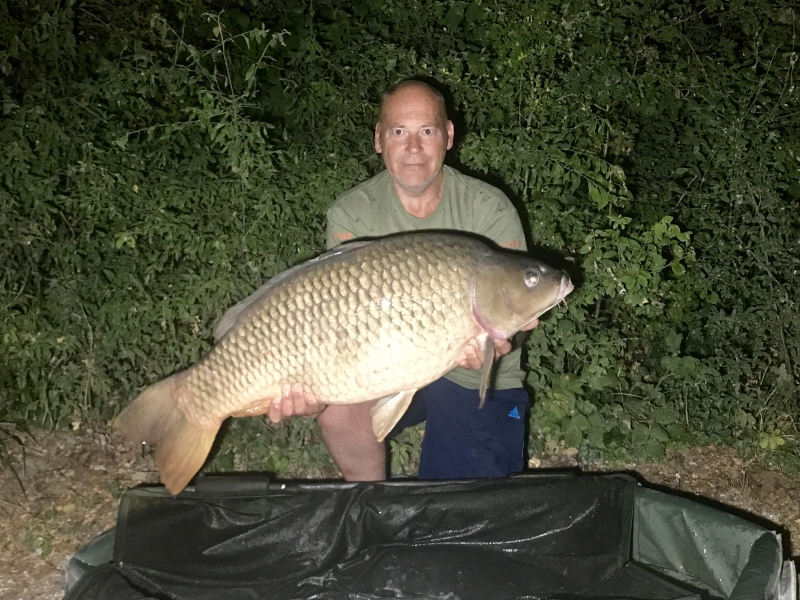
column 405, row 451
column 159, row 162
column 39, row 543
column 294, row 449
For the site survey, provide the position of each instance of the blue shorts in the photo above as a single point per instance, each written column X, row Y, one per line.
column 462, row 441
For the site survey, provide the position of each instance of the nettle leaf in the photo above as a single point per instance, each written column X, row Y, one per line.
column 664, row 415
column 659, row 434
column 640, row 434
column 574, row 429
column 653, row 450
column 596, row 438
column 679, row 434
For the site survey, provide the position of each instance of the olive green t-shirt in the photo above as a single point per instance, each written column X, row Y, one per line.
column 372, row 209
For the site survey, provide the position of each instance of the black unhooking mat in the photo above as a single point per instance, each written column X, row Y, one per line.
column 552, row 536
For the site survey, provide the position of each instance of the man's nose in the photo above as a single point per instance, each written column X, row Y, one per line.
column 414, row 143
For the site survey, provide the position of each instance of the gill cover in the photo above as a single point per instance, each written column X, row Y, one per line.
column 510, row 291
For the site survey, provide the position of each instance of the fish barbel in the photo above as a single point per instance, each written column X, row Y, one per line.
column 364, row 321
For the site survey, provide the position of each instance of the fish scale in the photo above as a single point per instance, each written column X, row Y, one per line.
column 367, row 321
column 377, row 325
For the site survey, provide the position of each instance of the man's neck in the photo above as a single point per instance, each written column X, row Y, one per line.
column 424, row 204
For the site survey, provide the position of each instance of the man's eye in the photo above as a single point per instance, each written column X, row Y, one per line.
column 398, row 131
column 427, row 131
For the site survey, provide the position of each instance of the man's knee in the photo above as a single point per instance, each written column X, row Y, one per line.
column 345, row 419
column 347, row 432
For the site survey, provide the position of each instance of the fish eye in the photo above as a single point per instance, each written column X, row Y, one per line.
column 531, row 279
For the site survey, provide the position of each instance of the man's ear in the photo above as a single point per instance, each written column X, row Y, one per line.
column 451, row 133
column 377, row 142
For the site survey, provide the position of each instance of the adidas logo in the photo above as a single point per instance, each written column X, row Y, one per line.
column 514, row 414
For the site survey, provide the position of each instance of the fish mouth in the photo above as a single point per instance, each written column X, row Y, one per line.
column 565, row 287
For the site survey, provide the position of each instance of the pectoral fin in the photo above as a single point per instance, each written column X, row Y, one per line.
column 387, row 412
column 486, row 371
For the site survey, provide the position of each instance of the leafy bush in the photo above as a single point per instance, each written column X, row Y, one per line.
column 160, row 162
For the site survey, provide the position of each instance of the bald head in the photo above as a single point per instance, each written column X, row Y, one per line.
column 413, row 134
column 417, row 87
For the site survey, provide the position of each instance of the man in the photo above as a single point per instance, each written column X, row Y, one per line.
column 417, row 191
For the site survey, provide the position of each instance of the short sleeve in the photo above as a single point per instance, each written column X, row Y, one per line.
column 340, row 226
column 500, row 223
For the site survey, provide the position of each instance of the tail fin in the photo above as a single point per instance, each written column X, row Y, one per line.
column 154, row 417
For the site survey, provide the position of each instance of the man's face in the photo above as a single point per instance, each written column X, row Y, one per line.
column 413, row 137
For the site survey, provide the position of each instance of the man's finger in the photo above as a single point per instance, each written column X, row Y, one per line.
column 287, row 406
column 501, row 347
column 530, row 325
column 274, row 414
column 478, row 353
column 299, row 400
column 473, row 356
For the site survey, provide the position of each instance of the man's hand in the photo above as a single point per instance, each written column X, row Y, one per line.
column 294, row 402
column 473, row 353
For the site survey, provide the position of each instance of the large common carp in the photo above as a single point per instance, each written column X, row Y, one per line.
column 364, row 321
